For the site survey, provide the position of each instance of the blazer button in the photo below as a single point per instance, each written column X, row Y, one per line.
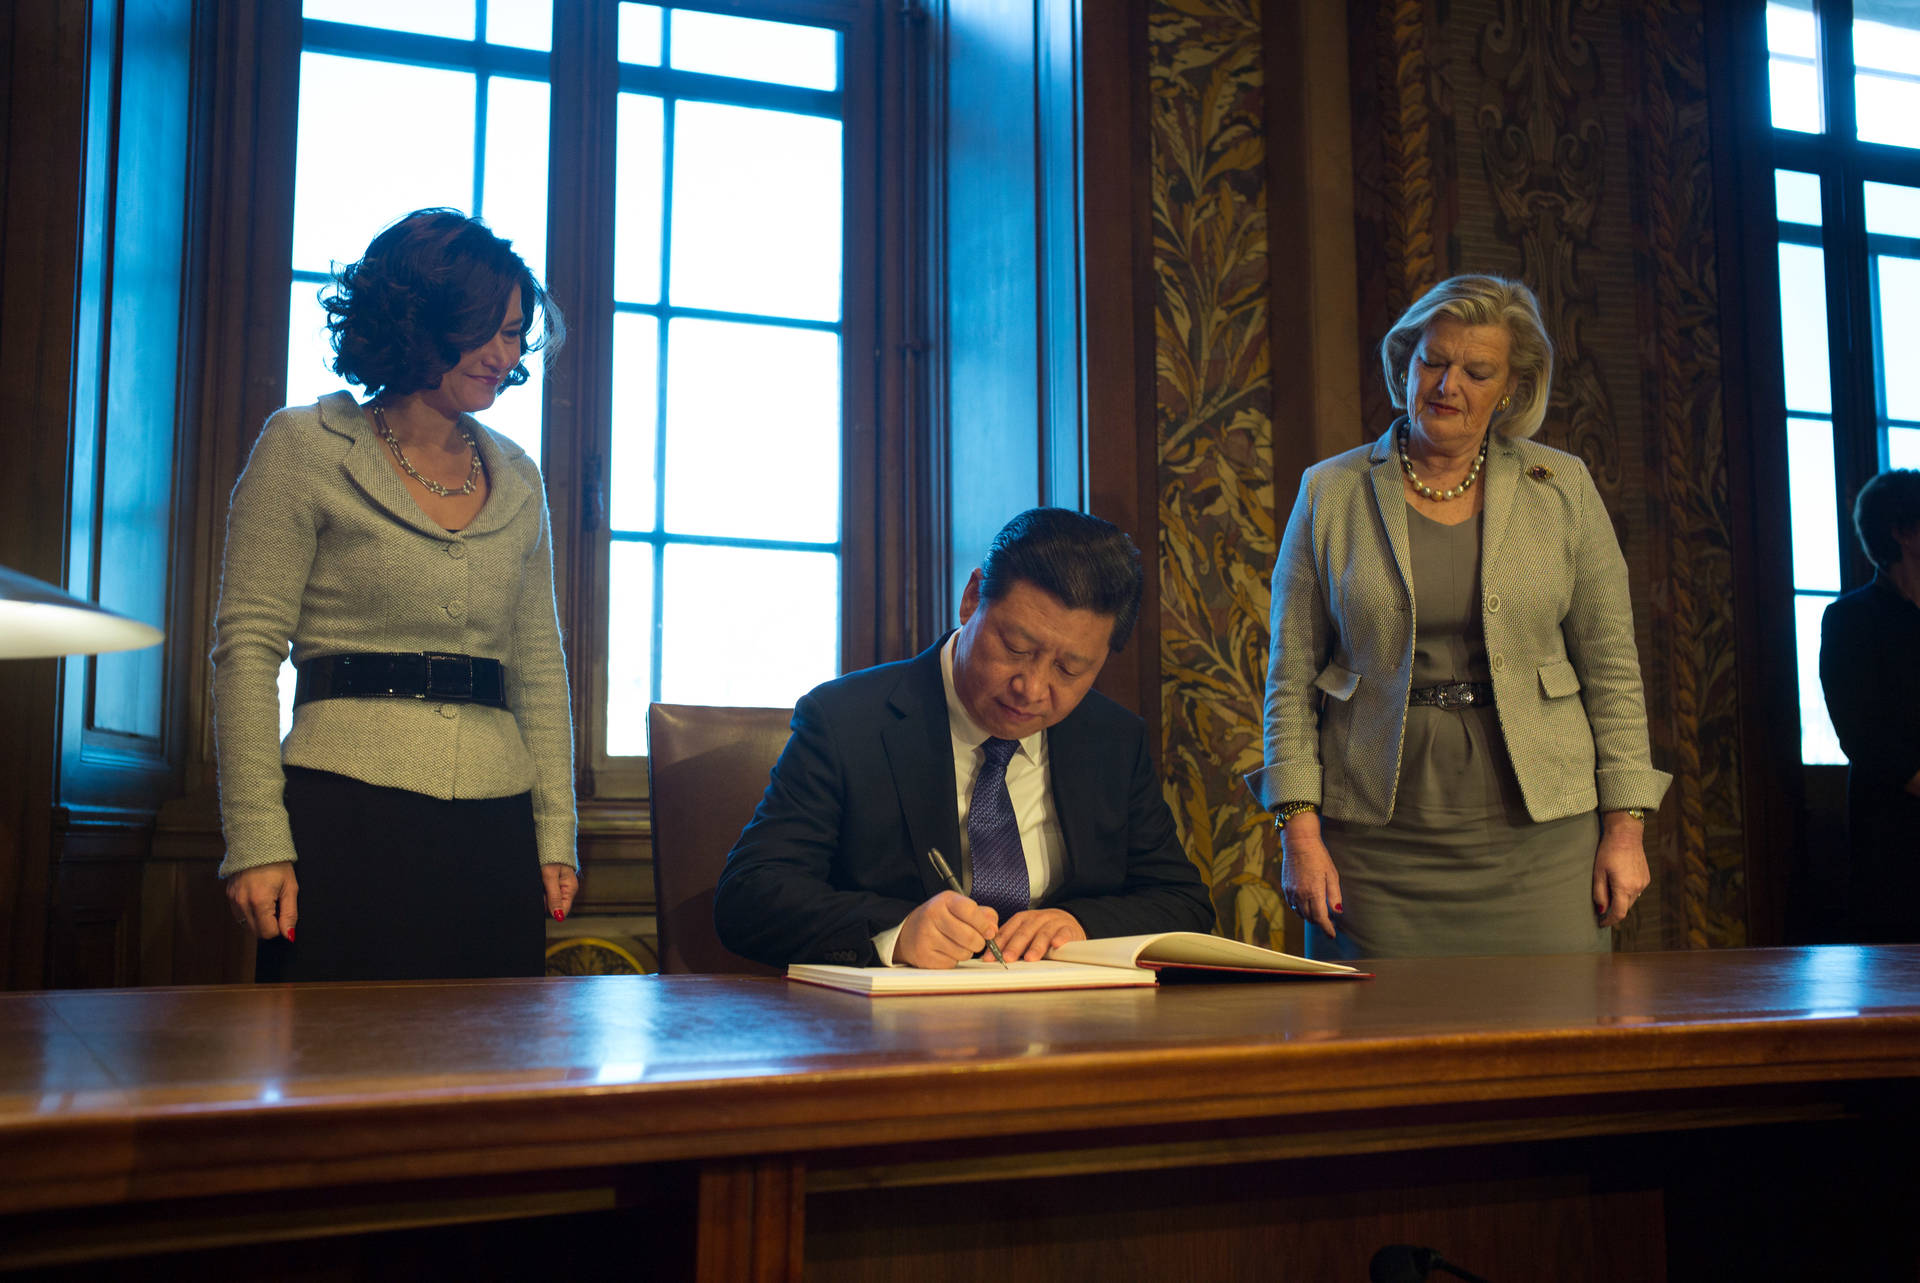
column 456, row 608
column 457, row 551
column 1493, row 603
column 449, row 711
column 1498, row 663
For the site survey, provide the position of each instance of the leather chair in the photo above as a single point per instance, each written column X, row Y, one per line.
column 707, row 768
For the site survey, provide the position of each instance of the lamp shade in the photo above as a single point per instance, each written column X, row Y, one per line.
column 38, row 620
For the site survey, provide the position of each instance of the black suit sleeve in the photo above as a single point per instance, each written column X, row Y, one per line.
column 1882, row 743
column 776, row 902
column 1137, row 880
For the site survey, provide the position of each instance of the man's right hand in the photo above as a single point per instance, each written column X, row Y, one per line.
column 944, row 930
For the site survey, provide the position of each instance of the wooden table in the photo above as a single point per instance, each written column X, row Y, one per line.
column 1567, row 1117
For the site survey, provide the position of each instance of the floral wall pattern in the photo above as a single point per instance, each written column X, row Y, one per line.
column 1218, row 532
column 1563, row 142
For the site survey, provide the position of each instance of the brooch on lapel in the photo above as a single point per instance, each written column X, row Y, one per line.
column 1540, row 472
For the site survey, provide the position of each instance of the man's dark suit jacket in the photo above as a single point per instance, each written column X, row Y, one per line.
column 1870, row 672
column 836, row 851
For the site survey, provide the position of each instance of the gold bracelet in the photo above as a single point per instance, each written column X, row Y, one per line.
column 1287, row 810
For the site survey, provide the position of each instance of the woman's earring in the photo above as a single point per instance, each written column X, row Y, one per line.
column 1505, row 401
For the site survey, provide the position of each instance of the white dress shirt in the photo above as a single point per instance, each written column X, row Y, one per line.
column 1028, row 786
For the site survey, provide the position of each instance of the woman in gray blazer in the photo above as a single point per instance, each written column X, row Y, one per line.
column 402, row 551
column 1455, row 735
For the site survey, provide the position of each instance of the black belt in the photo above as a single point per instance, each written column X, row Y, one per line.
column 415, row 675
column 1453, row 695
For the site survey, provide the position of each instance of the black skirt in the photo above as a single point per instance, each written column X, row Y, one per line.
column 396, row 885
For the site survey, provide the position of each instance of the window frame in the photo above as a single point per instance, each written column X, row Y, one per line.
column 1844, row 165
column 880, row 296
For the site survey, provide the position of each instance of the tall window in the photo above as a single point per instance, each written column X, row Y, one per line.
column 725, row 496
column 720, row 502
column 1845, row 82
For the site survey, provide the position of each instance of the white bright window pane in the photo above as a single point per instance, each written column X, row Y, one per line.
column 1803, row 328
column 759, row 457
column 288, row 679
column 1888, row 109
column 1903, row 447
column 638, row 174
column 1886, row 36
column 636, row 410
column 516, row 412
column 524, row 24
column 753, row 49
column 1898, row 299
column 720, row 605
column 426, row 17
column 639, row 40
column 629, row 647
column 1892, row 209
column 1790, row 28
column 756, row 211
column 513, row 193
column 1796, row 197
column 1791, row 71
column 413, row 126
column 1813, row 500
column 310, row 373
column 1819, row 743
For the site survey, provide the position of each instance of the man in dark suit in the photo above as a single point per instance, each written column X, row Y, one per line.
column 991, row 748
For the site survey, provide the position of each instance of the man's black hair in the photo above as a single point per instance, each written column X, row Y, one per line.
column 1887, row 507
column 1087, row 563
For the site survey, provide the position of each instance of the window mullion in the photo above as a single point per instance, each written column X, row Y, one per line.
column 580, row 238
column 1849, row 284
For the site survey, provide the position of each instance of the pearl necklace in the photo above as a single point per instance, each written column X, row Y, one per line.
column 1428, row 492
column 406, row 465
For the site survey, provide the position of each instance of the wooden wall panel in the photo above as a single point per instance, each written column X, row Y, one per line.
column 44, row 64
column 1215, row 441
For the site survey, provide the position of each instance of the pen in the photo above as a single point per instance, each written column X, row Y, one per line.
column 945, row 870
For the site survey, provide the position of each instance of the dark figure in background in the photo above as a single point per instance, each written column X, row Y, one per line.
column 401, row 550
column 1870, row 670
column 993, row 748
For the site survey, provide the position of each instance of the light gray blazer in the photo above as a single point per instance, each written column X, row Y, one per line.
column 327, row 550
column 1558, row 623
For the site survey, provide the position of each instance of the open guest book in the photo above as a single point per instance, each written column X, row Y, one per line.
column 1114, row 963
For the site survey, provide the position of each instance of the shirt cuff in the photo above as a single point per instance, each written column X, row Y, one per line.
column 883, row 945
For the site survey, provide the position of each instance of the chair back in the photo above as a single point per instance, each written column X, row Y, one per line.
column 707, row 768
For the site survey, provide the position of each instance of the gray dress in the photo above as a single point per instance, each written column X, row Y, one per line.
column 1460, row 868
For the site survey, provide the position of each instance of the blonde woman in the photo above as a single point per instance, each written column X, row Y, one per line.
column 1455, row 734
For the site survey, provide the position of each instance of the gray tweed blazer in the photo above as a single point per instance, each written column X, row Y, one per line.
column 326, row 550
column 1559, row 632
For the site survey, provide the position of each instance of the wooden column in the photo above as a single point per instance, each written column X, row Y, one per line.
column 751, row 1220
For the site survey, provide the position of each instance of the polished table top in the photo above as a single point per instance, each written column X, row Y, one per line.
column 109, row 1095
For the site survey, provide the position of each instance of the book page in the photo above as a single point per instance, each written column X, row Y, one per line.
column 1189, row 948
column 971, row 976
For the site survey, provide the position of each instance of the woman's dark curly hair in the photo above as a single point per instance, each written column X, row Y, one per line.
column 432, row 286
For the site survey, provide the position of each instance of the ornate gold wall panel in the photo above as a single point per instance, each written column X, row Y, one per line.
column 1217, row 524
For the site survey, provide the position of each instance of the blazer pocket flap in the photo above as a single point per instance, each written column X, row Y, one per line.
column 1558, row 679
column 1337, row 682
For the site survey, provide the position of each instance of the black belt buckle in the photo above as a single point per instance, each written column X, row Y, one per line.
column 449, row 676
column 1453, row 695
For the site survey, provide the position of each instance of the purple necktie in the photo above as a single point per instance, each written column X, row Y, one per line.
column 993, row 835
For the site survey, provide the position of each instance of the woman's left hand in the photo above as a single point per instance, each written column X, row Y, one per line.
column 561, row 882
column 1620, row 871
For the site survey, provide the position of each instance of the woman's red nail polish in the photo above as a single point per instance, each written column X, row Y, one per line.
column 559, row 916
column 289, row 935
column 1339, row 908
